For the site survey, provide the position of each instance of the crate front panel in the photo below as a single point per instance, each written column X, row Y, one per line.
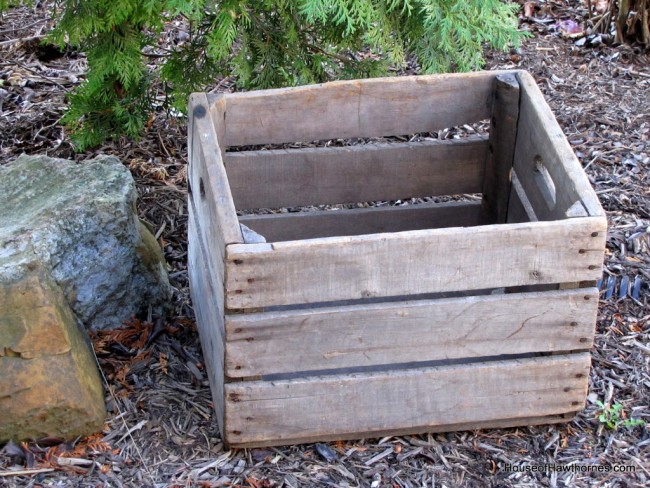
column 394, row 333
column 413, row 262
column 317, row 407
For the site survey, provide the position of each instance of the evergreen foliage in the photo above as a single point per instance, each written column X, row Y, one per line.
column 263, row 43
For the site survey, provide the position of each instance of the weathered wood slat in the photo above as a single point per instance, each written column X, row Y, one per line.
column 358, row 108
column 208, row 182
column 212, row 223
column 390, row 432
column 364, row 173
column 328, row 223
column 206, row 289
column 454, row 259
column 503, row 133
column 311, row 407
column 217, row 108
column 541, row 146
column 414, row 331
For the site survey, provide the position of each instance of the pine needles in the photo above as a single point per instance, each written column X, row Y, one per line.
column 262, row 43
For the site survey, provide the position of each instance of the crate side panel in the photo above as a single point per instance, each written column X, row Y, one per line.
column 208, row 182
column 363, row 173
column 312, row 407
column 408, row 332
column 206, row 290
column 217, row 109
column 542, row 152
column 358, row 108
column 519, row 207
column 414, row 262
column 329, row 223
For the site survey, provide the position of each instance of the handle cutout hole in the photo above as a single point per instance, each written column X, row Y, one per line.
column 545, row 183
column 201, row 188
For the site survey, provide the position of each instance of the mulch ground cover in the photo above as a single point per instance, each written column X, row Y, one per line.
column 161, row 430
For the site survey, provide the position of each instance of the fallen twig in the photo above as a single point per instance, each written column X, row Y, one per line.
column 26, row 472
column 11, row 42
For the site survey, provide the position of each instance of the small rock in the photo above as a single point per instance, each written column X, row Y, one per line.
column 260, row 455
column 326, row 452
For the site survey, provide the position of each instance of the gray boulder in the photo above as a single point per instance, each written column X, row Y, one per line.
column 78, row 221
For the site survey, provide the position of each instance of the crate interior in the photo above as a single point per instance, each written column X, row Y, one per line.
column 497, row 164
column 360, row 186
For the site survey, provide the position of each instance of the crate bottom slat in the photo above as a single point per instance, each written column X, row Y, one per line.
column 426, row 429
column 422, row 399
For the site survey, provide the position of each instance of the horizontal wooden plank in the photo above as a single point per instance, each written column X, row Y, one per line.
column 363, row 173
column 206, row 290
column 466, row 426
column 311, row 407
column 358, row 108
column 352, row 222
column 414, row 262
column 542, row 152
column 404, row 332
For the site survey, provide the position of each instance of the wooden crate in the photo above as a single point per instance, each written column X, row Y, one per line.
column 463, row 314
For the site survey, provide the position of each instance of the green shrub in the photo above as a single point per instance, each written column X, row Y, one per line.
column 262, row 43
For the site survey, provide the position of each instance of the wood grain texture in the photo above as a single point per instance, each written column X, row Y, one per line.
column 208, row 183
column 541, row 143
column 414, row 262
column 503, row 134
column 217, row 108
column 328, row 223
column 388, row 432
column 212, row 223
column 358, row 108
column 363, row 173
column 414, row 331
column 311, row 407
column 206, row 289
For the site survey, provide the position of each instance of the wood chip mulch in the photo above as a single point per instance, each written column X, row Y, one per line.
column 161, row 431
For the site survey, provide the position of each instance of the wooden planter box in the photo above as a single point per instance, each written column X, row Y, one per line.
column 391, row 319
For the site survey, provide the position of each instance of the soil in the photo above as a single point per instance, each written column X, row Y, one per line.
column 161, row 431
